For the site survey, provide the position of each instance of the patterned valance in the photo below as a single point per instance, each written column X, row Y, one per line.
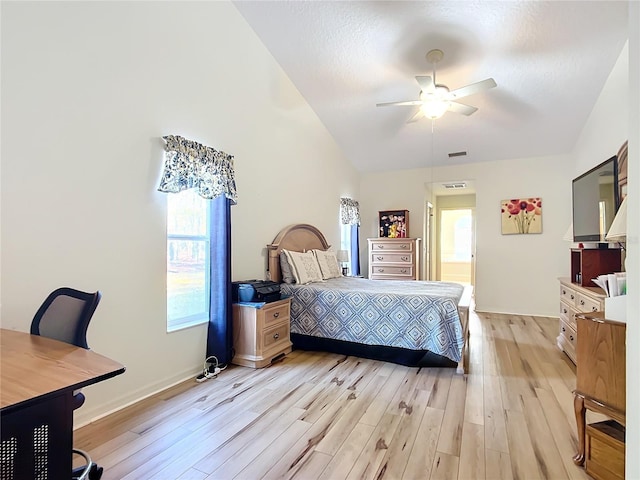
column 189, row 164
column 349, row 211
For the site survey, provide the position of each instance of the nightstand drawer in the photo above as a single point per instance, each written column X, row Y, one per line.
column 275, row 335
column 275, row 313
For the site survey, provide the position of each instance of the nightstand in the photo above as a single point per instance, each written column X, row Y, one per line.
column 261, row 332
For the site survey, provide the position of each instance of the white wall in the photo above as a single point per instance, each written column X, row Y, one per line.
column 88, row 89
column 633, row 247
column 514, row 273
column 608, row 125
column 615, row 118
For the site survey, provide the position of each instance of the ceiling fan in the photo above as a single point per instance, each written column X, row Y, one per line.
column 436, row 99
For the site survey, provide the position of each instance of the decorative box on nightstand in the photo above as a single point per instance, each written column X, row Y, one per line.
column 261, row 332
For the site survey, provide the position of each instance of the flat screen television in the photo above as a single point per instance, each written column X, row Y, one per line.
column 595, row 201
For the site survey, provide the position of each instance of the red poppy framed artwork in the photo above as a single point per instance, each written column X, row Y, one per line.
column 521, row 215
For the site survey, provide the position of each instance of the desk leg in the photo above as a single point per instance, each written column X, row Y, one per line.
column 578, row 406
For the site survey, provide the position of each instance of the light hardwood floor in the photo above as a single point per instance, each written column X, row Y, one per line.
column 324, row 416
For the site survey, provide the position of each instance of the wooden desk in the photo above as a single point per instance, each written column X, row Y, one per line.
column 37, row 381
column 600, row 372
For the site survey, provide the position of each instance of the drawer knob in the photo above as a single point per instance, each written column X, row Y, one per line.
column 403, row 270
column 404, row 259
column 403, row 246
column 572, row 297
column 594, row 309
column 276, row 315
column 379, row 257
column 571, row 337
column 564, row 329
column 380, row 246
column 564, row 292
column 581, row 302
column 564, row 310
column 380, row 270
column 277, row 336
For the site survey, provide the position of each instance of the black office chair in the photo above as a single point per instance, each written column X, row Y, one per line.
column 65, row 316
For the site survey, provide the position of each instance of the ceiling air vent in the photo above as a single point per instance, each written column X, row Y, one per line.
column 457, row 154
column 455, row 185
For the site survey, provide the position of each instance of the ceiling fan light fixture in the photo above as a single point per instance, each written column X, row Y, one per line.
column 434, row 108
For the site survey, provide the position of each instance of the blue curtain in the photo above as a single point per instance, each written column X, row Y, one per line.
column 355, row 250
column 219, row 334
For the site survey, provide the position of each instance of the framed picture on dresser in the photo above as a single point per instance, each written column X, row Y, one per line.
column 393, row 223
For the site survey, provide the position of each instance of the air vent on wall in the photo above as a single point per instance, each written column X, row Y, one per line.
column 457, row 154
column 455, row 185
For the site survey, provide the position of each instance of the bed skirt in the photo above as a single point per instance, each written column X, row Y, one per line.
column 401, row 356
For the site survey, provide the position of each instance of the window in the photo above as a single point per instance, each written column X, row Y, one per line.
column 188, row 259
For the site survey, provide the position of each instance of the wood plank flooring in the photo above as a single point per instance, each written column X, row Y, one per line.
column 324, row 416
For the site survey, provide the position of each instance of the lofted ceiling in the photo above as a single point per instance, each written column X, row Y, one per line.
column 550, row 60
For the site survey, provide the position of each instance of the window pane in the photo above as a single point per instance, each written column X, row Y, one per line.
column 188, row 259
column 187, row 280
column 186, row 213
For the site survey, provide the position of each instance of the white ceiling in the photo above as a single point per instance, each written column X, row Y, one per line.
column 549, row 59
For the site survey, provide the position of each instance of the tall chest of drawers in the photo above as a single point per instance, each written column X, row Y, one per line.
column 394, row 258
column 575, row 299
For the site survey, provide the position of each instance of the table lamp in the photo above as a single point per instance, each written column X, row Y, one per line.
column 343, row 258
column 618, row 229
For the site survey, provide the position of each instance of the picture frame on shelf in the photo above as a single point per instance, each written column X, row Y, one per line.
column 393, row 223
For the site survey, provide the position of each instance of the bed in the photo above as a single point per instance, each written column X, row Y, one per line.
column 414, row 323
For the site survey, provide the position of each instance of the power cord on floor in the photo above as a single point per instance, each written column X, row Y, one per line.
column 210, row 369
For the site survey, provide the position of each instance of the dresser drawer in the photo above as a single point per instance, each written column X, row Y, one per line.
column 275, row 313
column 275, row 335
column 568, row 339
column 379, row 270
column 567, row 294
column 586, row 304
column 567, row 315
column 391, row 258
column 394, row 245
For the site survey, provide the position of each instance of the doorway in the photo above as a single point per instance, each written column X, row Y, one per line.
column 457, row 246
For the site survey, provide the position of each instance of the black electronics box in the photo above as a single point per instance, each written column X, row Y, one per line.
column 255, row 291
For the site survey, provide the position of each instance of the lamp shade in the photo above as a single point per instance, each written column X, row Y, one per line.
column 343, row 256
column 618, row 230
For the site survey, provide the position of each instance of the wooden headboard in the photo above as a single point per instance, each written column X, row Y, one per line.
column 299, row 237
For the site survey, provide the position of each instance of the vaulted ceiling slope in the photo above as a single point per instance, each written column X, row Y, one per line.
column 550, row 61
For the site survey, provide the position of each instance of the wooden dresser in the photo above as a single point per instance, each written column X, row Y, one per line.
column 601, row 387
column 575, row 299
column 261, row 335
column 394, row 258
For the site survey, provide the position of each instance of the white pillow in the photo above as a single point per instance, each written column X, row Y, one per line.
column 328, row 263
column 304, row 266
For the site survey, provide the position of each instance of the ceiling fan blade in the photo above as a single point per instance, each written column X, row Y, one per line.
column 418, row 116
column 473, row 88
column 426, row 84
column 408, row 102
column 461, row 108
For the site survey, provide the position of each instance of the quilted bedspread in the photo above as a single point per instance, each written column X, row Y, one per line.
column 416, row 315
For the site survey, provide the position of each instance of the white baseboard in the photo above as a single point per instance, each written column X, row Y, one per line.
column 84, row 416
